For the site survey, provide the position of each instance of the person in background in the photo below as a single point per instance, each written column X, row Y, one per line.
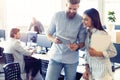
column 14, row 47
column 68, row 35
column 98, row 65
column 37, row 26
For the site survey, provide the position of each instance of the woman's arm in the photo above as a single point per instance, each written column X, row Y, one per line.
column 110, row 52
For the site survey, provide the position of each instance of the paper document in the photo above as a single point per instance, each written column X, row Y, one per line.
column 100, row 42
column 64, row 41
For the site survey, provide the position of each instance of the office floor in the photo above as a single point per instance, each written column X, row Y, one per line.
column 117, row 74
column 38, row 76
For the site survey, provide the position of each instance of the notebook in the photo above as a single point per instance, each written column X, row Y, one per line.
column 100, row 42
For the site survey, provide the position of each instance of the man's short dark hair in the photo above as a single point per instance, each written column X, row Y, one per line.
column 73, row 1
column 14, row 31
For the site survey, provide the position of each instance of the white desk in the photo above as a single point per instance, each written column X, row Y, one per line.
column 80, row 67
column 41, row 56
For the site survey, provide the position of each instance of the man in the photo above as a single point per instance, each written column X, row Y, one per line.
column 18, row 52
column 37, row 26
column 68, row 35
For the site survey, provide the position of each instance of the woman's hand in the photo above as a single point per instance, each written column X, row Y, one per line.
column 93, row 52
column 86, row 75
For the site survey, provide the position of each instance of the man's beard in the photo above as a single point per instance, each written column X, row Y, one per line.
column 71, row 15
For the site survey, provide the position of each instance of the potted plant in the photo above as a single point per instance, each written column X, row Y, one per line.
column 111, row 16
column 111, row 19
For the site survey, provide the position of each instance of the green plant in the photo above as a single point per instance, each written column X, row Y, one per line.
column 111, row 16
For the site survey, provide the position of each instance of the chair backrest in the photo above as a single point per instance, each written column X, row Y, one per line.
column 9, row 58
column 12, row 71
column 44, row 66
column 116, row 59
column 2, row 33
column 1, row 52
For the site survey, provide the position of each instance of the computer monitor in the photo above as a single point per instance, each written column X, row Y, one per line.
column 28, row 37
column 117, row 27
column 43, row 41
column 24, row 37
column 2, row 33
column 32, row 36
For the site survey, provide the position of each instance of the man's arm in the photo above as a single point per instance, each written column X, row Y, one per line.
column 30, row 27
column 53, row 39
column 41, row 27
column 80, row 40
column 21, row 50
column 76, row 46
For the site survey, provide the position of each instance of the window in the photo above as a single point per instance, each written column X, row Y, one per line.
column 111, row 5
column 20, row 12
column 87, row 4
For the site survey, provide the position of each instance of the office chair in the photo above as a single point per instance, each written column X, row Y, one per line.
column 2, row 34
column 2, row 60
column 44, row 67
column 116, row 59
column 1, row 52
column 9, row 58
column 6, row 58
column 12, row 71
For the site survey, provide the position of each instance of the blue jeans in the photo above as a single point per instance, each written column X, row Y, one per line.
column 55, row 68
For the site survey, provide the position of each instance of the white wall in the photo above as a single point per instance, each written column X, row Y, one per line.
column 100, row 4
column 2, row 14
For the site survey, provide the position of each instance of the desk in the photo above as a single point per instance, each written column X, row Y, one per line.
column 41, row 56
column 80, row 68
column 47, row 57
column 45, row 60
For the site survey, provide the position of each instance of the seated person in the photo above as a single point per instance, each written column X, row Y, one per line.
column 14, row 47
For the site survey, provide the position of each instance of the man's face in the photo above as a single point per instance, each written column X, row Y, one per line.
column 71, row 10
column 17, row 36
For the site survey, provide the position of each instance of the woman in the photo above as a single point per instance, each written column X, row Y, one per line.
column 98, row 65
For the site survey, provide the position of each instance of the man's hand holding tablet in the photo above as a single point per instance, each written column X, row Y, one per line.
column 63, row 40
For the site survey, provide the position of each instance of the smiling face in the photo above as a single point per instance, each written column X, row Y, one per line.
column 71, row 10
column 87, row 21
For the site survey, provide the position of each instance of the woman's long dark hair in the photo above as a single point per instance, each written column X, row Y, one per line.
column 94, row 15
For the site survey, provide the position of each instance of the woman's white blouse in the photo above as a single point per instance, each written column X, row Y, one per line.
column 100, row 66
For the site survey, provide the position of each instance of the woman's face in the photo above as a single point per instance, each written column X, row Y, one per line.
column 87, row 21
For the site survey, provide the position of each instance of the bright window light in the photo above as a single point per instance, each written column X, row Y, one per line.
column 20, row 12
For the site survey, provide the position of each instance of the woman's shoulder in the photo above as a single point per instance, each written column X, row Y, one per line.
column 102, row 32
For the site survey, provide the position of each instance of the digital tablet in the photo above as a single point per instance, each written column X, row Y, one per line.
column 64, row 41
